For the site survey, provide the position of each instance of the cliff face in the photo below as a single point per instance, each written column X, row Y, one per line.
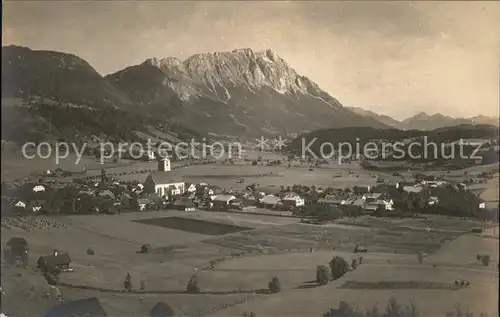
column 239, row 93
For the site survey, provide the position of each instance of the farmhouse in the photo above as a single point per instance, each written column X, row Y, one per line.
column 242, row 204
column 222, row 201
column 334, row 200
column 184, row 204
column 143, row 203
column 163, row 182
column 57, row 260
column 293, row 200
column 270, row 200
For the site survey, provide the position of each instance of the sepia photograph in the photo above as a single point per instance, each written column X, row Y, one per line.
column 250, row 158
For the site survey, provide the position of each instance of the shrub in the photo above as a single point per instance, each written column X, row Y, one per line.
column 192, row 285
column 251, row 314
column 274, row 285
column 90, row 251
column 322, row 275
column 338, row 267
column 394, row 309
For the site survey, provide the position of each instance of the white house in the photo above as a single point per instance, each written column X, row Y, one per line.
column 387, row 203
column 38, row 188
column 20, row 204
column 433, row 200
column 190, row 188
column 164, row 182
column 293, row 200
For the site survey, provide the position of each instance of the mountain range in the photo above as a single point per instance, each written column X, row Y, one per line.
column 238, row 93
column 424, row 121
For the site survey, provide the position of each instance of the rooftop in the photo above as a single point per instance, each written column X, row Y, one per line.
column 161, row 177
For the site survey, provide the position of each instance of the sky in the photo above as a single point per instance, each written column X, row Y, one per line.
column 395, row 58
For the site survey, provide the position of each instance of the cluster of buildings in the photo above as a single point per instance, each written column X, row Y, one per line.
column 164, row 188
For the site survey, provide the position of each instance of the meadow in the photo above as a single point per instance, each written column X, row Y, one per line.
column 245, row 263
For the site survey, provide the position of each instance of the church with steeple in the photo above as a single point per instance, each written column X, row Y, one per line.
column 164, row 182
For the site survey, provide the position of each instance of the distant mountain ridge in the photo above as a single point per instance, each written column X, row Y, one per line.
column 389, row 121
column 424, row 121
column 238, row 93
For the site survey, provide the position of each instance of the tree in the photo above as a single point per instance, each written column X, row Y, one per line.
column 322, row 275
column 127, row 283
column 338, row 267
column 274, row 285
column 192, row 285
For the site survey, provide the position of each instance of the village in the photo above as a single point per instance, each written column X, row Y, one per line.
column 162, row 188
column 228, row 209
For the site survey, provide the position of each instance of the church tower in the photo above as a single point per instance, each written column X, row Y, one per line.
column 163, row 164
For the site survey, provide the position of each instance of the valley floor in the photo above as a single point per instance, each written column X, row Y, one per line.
column 246, row 262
